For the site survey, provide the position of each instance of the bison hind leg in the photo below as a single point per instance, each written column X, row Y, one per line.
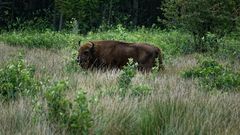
column 147, row 67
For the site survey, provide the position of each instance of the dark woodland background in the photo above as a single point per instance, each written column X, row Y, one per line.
column 197, row 17
column 89, row 13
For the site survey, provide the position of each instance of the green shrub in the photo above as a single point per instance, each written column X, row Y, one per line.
column 229, row 48
column 58, row 106
column 128, row 72
column 80, row 120
column 211, row 42
column 72, row 65
column 141, row 90
column 214, row 75
column 124, row 81
column 17, row 78
column 64, row 114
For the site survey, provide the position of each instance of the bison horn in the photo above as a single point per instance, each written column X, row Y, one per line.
column 92, row 44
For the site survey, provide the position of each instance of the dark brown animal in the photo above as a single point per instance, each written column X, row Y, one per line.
column 115, row 54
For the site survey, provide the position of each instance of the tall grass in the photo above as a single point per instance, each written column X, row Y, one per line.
column 174, row 106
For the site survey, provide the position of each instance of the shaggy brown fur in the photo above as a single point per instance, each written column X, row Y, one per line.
column 115, row 54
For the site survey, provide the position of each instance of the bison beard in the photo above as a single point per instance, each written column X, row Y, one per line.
column 115, row 54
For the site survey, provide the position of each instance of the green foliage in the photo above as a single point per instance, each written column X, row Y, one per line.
column 72, row 65
column 128, row 72
column 17, row 78
column 80, row 119
column 202, row 16
column 72, row 116
column 211, row 42
column 58, row 106
column 90, row 14
column 171, row 42
column 214, row 75
column 141, row 90
column 33, row 39
column 84, row 11
column 229, row 48
column 20, row 15
column 36, row 22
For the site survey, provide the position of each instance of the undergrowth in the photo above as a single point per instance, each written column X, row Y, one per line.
column 213, row 75
column 17, row 78
column 73, row 116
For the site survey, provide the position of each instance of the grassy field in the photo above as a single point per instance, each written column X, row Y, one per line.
column 174, row 105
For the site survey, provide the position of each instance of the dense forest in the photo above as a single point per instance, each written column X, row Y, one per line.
column 45, row 90
column 90, row 14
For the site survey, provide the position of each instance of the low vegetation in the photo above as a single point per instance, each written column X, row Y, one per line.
column 92, row 102
column 203, row 100
column 171, row 42
column 17, row 79
column 125, row 78
column 73, row 117
column 43, row 90
column 35, row 39
column 214, row 75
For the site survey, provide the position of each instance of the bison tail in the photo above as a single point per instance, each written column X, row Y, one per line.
column 160, row 60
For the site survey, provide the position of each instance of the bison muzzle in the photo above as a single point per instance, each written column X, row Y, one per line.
column 115, row 54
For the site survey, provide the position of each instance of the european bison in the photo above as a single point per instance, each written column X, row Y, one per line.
column 115, row 54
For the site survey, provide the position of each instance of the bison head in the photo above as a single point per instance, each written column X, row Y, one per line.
column 85, row 55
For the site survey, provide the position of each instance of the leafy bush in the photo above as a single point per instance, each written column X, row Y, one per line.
column 214, row 75
column 80, row 118
column 73, row 116
column 211, row 42
column 17, row 78
column 128, row 72
column 72, row 65
column 57, row 104
column 229, row 48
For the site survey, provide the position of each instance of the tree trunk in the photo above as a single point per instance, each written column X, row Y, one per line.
column 135, row 10
column 60, row 22
column 110, row 12
column 55, row 20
